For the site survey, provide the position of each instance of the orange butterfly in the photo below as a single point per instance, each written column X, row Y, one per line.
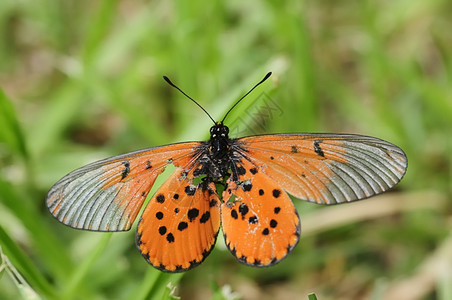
column 179, row 225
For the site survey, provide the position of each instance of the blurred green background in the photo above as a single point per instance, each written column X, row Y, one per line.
column 82, row 80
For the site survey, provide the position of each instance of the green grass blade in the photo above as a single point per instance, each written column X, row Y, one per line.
column 21, row 261
column 10, row 131
column 25, row 290
column 154, row 284
column 50, row 248
column 79, row 274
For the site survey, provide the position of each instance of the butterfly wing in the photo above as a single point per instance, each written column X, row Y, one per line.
column 180, row 224
column 260, row 223
column 107, row 195
column 326, row 168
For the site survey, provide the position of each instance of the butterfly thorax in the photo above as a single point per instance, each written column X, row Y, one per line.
column 219, row 143
column 216, row 155
column 219, row 151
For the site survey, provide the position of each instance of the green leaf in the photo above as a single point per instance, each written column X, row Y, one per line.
column 10, row 131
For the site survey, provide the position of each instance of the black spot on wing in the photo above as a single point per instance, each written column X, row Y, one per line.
column 170, row 238
column 159, row 215
column 253, row 220
column 253, row 171
column 204, row 217
column 160, row 198
column 190, row 190
column 261, row 192
column 317, row 148
column 273, row 223
column 162, row 230
column 243, row 210
column 182, row 226
column 276, row 193
column 294, row 149
column 148, row 165
column 234, row 214
column 192, row 214
column 247, row 186
column 126, row 170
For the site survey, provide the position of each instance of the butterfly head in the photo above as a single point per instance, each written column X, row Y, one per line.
column 219, row 130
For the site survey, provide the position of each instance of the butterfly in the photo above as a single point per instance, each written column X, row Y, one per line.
column 239, row 184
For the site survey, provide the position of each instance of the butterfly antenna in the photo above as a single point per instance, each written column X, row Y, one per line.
column 174, row 86
column 265, row 78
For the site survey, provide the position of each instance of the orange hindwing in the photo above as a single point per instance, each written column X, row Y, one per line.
column 260, row 223
column 180, row 224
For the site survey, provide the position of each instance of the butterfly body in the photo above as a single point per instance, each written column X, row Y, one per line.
column 256, row 174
